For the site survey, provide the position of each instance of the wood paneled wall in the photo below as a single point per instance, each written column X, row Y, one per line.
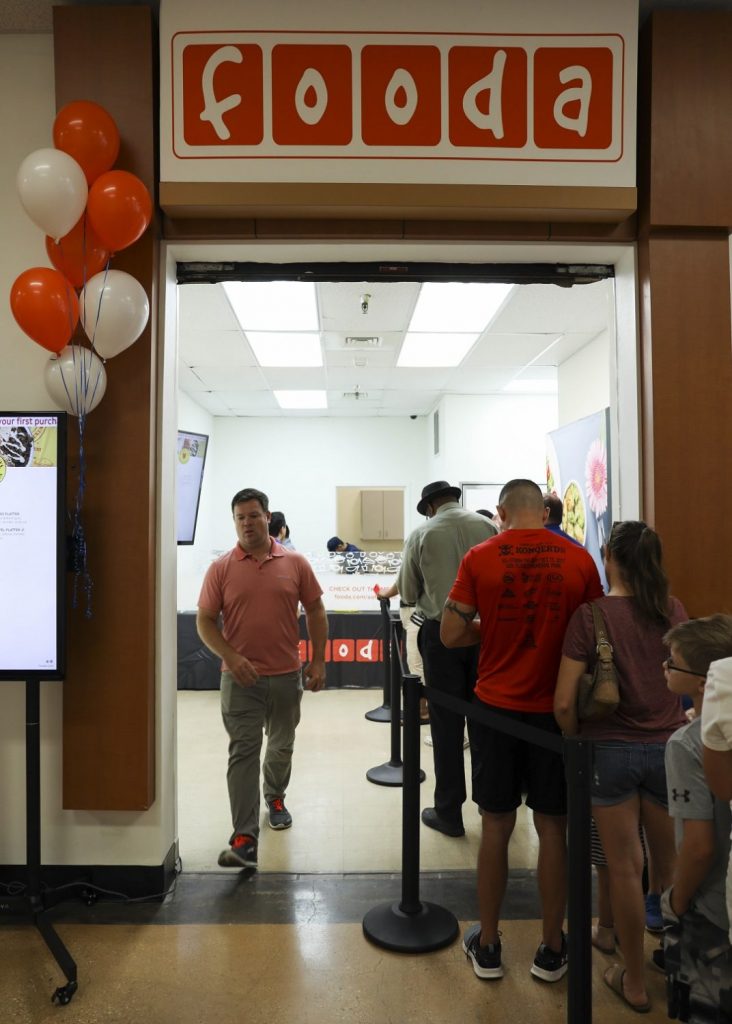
column 685, row 212
column 107, row 54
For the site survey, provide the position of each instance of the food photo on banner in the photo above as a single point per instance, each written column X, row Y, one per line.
column 577, row 461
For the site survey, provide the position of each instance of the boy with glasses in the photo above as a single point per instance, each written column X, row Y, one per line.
column 697, row 956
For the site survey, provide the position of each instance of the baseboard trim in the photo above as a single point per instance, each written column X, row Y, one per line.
column 133, row 881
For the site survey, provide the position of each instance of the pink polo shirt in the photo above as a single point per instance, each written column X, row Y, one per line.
column 259, row 603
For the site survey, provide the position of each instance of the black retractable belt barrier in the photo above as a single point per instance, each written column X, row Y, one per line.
column 410, row 926
column 383, row 713
column 414, row 927
column 578, row 770
column 391, row 773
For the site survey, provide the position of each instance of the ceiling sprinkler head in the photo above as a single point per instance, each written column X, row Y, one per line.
column 365, row 299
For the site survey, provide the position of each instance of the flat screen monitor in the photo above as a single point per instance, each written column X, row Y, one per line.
column 32, row 544
column 191, row 460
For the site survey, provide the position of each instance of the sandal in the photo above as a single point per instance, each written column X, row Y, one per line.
column 603, row 938
column 613, row 978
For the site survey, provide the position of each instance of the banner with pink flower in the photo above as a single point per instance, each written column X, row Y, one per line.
column 577, row 470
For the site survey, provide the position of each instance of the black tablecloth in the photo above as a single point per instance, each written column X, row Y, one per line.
column 354, row 652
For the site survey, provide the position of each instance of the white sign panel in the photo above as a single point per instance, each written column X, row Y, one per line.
column 30, row 485
column 510, row 98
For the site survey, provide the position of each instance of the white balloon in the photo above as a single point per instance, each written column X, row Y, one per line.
column 114, row 311
column 76, row 379
column 53, row 190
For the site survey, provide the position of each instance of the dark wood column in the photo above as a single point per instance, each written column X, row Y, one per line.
column 107, row 54
column 685, row 212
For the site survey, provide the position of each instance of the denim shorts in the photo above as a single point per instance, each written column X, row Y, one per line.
column 622, row 770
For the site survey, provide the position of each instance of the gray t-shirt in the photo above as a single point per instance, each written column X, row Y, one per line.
column 433, row 553
column 689, row 798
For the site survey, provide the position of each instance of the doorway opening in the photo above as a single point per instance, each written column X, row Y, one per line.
column 557, row 347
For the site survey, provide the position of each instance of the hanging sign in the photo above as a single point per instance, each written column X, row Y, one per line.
column 493, row 103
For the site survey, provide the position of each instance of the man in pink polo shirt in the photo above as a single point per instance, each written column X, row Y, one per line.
column 257, row 589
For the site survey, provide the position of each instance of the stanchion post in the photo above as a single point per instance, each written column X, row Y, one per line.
column 383, row 713
column 578, row 768
column 410, row 926
column 410, row 798
column 391, row 773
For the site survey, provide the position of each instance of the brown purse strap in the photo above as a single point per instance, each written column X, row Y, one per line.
column 601, row 636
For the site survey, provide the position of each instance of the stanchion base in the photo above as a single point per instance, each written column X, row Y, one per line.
column 382, row 714
column 389, row 775
column 432, row 928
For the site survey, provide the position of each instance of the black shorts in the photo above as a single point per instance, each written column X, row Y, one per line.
column 505, row 767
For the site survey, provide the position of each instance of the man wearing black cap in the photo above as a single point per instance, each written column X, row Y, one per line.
column 431, row 558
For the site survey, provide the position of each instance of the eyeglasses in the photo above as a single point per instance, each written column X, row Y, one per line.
column 671, row 667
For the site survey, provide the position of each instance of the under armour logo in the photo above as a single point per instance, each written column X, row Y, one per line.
column 683, row 795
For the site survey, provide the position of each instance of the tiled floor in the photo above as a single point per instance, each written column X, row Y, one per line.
column 342, row 822
column 286, row 943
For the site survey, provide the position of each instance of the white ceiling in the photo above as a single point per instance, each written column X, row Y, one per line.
column 218, row 370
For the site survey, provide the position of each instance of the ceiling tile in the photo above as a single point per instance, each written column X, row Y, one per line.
column 228, row 348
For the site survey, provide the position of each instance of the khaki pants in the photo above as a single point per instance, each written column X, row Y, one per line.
column 272, row 707
column 411, row 631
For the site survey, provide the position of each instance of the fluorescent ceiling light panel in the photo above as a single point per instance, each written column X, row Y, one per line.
column 301, row 399
column 273, row 305
column 456, row 307
column 531, row 386
column 435, row 349
column 282, row 348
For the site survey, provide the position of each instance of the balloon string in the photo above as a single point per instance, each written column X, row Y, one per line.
column 82, row 577
column 99, row 305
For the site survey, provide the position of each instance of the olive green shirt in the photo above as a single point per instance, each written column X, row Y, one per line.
column 433, row 553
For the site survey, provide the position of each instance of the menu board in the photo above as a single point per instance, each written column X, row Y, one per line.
column 32, row 548
column 191, row 450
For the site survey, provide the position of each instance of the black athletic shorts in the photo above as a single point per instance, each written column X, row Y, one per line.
column 504, row 767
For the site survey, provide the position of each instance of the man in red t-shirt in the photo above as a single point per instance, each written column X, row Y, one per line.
column 258, row 588
column 523, row 585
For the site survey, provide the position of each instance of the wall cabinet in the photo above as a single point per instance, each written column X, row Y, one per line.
column 382, row 515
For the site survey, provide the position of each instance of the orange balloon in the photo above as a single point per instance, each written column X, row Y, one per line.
column 119, row 208
column 88, row 133
column 45, row 306
column 79, row 255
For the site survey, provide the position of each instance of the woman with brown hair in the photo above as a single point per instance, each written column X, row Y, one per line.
column 629, row 778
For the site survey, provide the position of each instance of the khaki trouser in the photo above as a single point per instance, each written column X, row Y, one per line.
column 411, row 631
column 272, row 705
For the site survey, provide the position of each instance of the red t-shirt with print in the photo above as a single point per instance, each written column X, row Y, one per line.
column 525, row 584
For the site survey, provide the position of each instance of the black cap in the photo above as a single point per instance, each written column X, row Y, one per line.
column 436, row 490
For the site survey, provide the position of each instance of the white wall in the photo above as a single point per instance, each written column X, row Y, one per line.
column 584, row 380
column 494, row 438
column 68, row 837
column 298, row 463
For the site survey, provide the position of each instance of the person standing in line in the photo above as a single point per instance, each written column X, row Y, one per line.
column 430, row 562
column 716, row 726
column 523, row 585
column 628, row 785
column 554, row 510
column 697, row 956
column 257, row 588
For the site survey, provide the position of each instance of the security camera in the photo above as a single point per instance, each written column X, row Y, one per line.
column 365, row 298
column 413, row 417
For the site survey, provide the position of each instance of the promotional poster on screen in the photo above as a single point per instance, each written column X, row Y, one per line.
column 32, row 478
column 192, row 450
